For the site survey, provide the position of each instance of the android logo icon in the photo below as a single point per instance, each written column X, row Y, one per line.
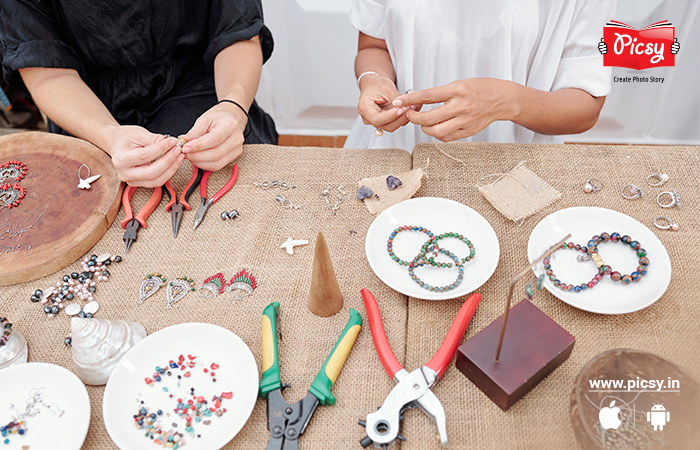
column 658, row 417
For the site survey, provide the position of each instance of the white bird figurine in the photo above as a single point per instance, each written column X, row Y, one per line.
column 85, row 184
column 290, row 243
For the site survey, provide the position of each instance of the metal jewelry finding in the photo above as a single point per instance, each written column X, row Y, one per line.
column 274, row 184
column 85, row 183
column 675, row 199
column 590, row 187
column 285, row 202
column 635, row 192
column 661, row 178
column 673, row 226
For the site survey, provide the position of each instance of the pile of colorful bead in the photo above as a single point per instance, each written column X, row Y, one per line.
column 80, row 285
column 18, row 427
column 149, row 421
column 6, row 330
column 192, row 408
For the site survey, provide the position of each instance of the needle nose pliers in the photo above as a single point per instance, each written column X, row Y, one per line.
column 132, row 224
column 204, row 207
column 175, row 206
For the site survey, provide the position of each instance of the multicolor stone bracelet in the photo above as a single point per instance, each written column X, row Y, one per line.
column 418, row 262
column 390, row 242
column 602, row 270
column 431, row 246
column 635, row 245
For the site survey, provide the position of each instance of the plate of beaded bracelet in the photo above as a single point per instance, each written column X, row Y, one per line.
column 439, row 217
column 182, row 371
column 605, row 296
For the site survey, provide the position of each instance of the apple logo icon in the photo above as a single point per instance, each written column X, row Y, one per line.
column 609, row 417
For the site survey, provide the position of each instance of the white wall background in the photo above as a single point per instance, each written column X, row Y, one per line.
column 308, row 86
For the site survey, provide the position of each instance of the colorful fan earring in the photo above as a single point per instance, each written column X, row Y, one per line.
column 213, row 286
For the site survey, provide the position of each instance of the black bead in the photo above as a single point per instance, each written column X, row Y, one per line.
column 84, row 274
column 68, row 341
column 38, row 292
column 107, row 262
column 81, row 314
column 93, row 257
column 74, row 275
column 105, row 273
column 47, row 309
column 69, row 297
column 90, row 275
column 92, row 289
column 34, row 298
column 66, row 278
column 81, row 279
column 118, row 259
column 61, row 296
column 55, row 310
column 88, row 316
column 91, row 264
column 65, row 288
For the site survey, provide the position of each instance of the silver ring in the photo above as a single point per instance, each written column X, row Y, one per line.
column 673, row 226
column 675, row 199
column 660, row 177
column 590, row 187
column 635, row 192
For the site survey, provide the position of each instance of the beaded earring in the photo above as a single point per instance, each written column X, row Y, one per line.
column 177, row 289
column 151, row 283
column 213, row 286
column 244, row 281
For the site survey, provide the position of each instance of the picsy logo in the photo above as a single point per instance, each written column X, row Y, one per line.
column 652, row 46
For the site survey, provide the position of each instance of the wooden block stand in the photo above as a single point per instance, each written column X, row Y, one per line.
column 534, row 345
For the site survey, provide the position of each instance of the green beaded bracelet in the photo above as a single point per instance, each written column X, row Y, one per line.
column 431, row 246
column 390, row 242
column 417, row 262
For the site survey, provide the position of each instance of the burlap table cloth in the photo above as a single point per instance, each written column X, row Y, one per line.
column 251, row 243
column 668, row 328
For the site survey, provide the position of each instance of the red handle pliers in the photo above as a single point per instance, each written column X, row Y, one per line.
column 412, row 389
column 175, row 207
column 132, row 224
column 205, row 204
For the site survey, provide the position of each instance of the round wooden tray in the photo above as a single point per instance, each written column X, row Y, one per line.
column 56, row 223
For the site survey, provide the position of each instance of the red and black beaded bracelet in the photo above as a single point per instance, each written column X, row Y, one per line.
column 626, row 279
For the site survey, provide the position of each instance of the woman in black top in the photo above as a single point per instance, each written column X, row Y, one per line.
column 124, row 74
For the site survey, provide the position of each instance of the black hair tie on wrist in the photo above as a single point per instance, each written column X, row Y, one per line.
column 246, row 131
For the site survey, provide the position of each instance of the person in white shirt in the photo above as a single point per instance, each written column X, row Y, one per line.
column 524, row 71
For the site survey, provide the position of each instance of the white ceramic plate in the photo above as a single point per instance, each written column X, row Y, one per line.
column 238, row 372
column 607, row 297
column 60, row 389
column 439, row 215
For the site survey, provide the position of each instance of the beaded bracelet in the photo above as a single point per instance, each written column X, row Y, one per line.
column 6, row 330
column 390, row 242
column 602, row 270
column 417, row 262
column 431, row 246
column 635, row 245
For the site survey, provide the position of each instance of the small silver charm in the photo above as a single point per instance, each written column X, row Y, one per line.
column 657, row 179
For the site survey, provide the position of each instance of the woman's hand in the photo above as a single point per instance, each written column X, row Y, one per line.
column 216, row 138
column 142, row 158
column 375, row 105
column 468, row 107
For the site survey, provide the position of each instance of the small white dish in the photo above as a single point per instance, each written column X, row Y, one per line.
column 607, row 297
column 237, row 372
column 438, row 215
column 60, row 390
